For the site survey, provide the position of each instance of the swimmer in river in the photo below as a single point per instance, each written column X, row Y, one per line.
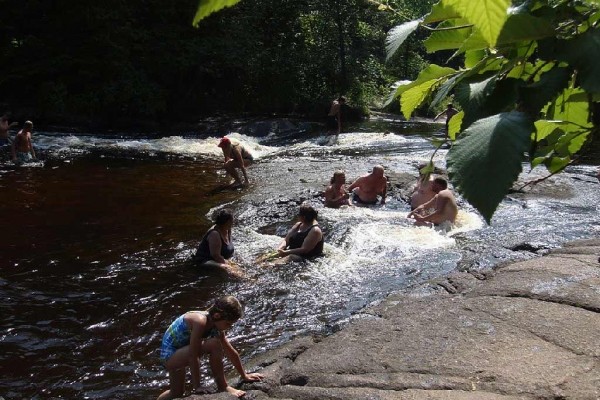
column 216, row 247
column 22, row 150
column 305, row 239
column 423, row 190
column 368, row 187
column 443, row 205
column 336, row 194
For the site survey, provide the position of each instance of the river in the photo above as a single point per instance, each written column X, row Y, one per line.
column 96, row 241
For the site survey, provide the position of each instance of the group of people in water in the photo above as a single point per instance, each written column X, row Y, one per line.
column 21, row 148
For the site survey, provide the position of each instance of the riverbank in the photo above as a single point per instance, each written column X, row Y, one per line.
column 525, row 330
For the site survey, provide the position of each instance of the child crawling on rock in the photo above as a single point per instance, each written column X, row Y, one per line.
column 195, row 334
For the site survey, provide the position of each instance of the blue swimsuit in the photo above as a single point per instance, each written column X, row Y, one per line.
column 178, row 335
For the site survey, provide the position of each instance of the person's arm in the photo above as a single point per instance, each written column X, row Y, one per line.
column 309, row 243
column 441, row 205
column 424, row 206
column 30, row 146
column 285, row 240
column 234, row 357
column 198, row 325
column 384, row 190
column 214, row 247
column 355, row 184
column 439, row 115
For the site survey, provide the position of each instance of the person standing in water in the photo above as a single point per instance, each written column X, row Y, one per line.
column 334, row 118
column 22, row 150
column 368, row 187
column 449, row 112
column 216, row 247
column 443, row 205
column 336, row 194
column 236, row 156
column 199, row 333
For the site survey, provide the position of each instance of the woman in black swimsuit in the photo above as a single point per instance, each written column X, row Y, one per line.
column 216, row 247
column 305, row 239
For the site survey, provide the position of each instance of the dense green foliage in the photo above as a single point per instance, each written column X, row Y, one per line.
column 528, row 87
column 114, row 63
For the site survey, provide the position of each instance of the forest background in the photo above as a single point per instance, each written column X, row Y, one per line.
column 140, row 64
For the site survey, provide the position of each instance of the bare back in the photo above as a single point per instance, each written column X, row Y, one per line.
column 445, row 206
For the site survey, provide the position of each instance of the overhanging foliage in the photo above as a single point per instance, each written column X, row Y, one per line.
column 527, row 87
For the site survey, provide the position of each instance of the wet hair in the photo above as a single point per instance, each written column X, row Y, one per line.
column 228, row 307
column 335, row 175
column 441, row 182
column 223, row 216
column 307, row 212
column 342, row 99
column 28, row 124
column 450, row 105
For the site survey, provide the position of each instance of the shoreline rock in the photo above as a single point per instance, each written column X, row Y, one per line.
column 524, row 330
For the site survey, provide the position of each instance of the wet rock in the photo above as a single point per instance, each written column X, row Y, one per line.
column 527, row 330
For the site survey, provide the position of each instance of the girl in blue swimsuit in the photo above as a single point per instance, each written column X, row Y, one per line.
column 196, row 333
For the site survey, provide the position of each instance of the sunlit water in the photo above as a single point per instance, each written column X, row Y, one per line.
column 96, row 241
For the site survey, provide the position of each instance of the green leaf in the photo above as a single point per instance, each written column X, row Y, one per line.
column 441, row 12
column 583, row 52
column 555, row 164
column 538, row 94
column 571, row 106
column 487, row 158
column 454, row 125
column 472, row 96
column 413, row 97
column 488, row 16
column 398, row 34
column 445, row 89
column 524, row 27
column 207, row 7
column 473, row 57
column 446, row 39
column 431, row 72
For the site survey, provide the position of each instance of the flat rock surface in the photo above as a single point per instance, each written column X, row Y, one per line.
column 527, row 330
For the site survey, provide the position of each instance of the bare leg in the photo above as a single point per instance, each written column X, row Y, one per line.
column 230, row 168
column 176, row 385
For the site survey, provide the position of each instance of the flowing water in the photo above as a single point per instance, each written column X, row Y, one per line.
column 96, row 243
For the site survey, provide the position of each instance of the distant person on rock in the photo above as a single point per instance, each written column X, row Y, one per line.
column 22, row 149
column 336, row 194
column 334, row 118
column 305, row 239
column 441, row 208
column 449, row 112
column 196, row 334
column 216, row 247
column 236, row 156
column 5, row 125
column 366, row 188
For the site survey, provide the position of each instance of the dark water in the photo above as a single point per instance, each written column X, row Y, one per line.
column 95, row 245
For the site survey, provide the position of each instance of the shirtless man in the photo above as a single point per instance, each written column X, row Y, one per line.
column 443, row 204
column 334, row 118
column 236, row 156
column 336, row 194
column 4, row 127
column 369, row 186
column 22, row 150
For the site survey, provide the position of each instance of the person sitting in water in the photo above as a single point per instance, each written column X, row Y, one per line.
column 216, row 247
column 305, row 239
column 366, row 188
column 5, row 125
column 423, row 191
column 22, row 150
column 443, row 205
column 336, row 194
column 199, row 333
column 236, row 156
